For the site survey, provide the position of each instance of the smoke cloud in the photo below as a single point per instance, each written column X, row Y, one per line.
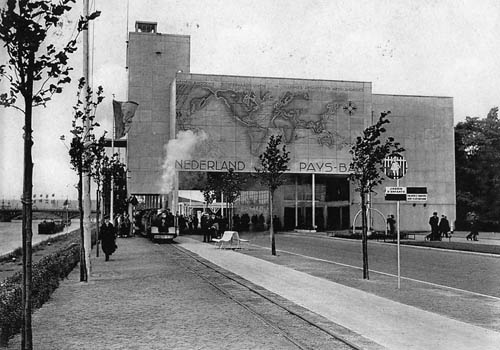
column 182, row 147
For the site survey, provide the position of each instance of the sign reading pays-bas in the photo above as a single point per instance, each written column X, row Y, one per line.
column 242, row 166
column 408, row 194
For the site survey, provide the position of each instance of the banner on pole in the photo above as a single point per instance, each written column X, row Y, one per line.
column 123, row 114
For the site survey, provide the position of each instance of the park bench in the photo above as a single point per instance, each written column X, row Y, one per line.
column 231, row 238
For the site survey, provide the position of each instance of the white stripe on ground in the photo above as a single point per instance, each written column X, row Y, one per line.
column 388, row 323
column 387, row 274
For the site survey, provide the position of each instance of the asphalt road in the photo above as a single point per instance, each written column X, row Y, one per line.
column 476, row 273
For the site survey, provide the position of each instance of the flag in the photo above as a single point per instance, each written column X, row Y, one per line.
column 123, row 114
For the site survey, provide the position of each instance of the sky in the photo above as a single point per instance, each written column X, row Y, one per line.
column 407, row 47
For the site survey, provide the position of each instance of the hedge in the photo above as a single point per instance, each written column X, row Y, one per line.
column 47, row 273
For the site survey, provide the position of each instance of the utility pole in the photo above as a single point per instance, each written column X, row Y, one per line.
column 87, row 204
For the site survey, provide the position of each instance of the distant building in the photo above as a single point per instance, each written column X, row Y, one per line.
column 222, row 122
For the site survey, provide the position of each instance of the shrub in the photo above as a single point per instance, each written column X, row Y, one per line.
column 47, row 273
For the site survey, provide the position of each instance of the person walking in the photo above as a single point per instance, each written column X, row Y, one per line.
column 434, row 222
column 474, row 232
column 108, row 237
column 391, row 225
column 444, row 227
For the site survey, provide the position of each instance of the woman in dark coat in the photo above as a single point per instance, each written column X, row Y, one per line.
column 107, row 233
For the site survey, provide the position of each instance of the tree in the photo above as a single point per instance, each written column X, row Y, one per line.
column 35, row 71
column 96, row 172
column 114, row 169
column 233, row 183
column 274, row 164
column 212, row 187
column 367, row 168
column 227, row 185
column 477, row 164
column 83, row 151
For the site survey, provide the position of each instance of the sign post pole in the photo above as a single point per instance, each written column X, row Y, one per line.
column 399, row 241
column 395, row 168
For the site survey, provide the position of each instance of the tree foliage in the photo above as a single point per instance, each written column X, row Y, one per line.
column 114, row 172
column 368, row 154
column 84, row 149
column 274, row 163
column 228, row 184
column 35, row 70
column 477, row 164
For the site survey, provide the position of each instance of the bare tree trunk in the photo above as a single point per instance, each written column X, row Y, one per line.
column 271, row 228
column 27, row 231
column 83, row 267
column 364, row 224
column 98, row 207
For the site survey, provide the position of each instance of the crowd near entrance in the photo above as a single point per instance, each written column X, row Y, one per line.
column 327, row 196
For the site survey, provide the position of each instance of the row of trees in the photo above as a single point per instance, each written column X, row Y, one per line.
column 35, row 71
column 477, row 165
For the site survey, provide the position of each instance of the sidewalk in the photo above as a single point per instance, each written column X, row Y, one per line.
column 154, row 297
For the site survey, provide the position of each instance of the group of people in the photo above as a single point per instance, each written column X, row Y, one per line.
column 123, row 225
column 211, row 226
column 439, row 227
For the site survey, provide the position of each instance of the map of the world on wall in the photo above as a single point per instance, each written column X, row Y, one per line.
column 318, row 123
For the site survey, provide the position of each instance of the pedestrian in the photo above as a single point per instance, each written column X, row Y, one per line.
column 444, row 227
column 205, row 225
column 213, row 225
column 473, row 230
column 124, row 227
column 391, row 225
column 434, row 222
column 107, row 233
column 163, row 224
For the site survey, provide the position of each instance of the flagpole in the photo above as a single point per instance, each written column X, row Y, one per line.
column 111, row 201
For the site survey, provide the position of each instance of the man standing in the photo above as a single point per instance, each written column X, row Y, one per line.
column 434, row 222
column 205, row 225
column 444, row 227
column 391, row 225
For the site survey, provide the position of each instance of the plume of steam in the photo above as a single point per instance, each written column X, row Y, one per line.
column 182, row 147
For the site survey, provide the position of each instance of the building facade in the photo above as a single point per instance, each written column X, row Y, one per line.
column 189, row 124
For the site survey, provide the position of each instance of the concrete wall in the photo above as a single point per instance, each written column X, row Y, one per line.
column 424, row 127
column 153, row 60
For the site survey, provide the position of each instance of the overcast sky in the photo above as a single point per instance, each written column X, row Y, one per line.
column 442, row 48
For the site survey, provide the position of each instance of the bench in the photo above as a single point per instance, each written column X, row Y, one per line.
column 407, row 235
column 228, row 238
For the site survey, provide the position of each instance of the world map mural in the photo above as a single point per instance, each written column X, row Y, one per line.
column 317, row 123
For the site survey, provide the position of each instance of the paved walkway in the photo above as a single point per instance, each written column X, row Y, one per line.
column 149, row 297
column 390, row 324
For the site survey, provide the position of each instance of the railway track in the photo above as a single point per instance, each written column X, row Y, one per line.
column 302, row 328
